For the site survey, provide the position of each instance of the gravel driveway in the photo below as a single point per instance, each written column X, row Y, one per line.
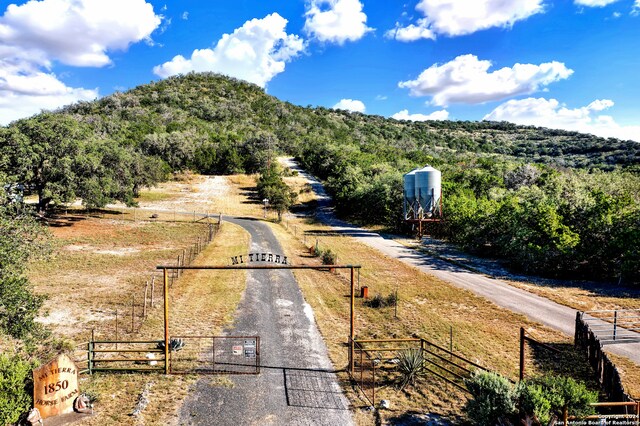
column 296, row 385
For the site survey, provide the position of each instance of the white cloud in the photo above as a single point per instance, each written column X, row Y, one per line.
column 336, row 21
column 594, row 3
column 456, row 18
column 185, row 15
column 412, row 32
column 550, row 113
column 255, row 52
column 467, row 80
column 36, row 34
column 75, row 32
column 381, row 97
column 436, row 115
column 25, row 91
column 350, row 105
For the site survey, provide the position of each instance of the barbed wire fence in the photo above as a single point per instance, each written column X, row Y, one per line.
column 130, row 315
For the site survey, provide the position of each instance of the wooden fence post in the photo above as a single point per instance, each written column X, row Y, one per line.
column 144, row 307
column 133, row 311
column 153, row 287
column 116, row 329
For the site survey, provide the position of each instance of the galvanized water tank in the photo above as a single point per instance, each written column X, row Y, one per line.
column 428, row 188
column 410, row 186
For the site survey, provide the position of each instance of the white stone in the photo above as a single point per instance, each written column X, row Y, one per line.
column 151, row 357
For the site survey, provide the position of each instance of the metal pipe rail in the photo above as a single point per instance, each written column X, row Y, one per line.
column 614, row 326
column 93, row 361
column 442, row 363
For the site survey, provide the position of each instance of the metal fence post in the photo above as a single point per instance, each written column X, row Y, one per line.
column 89, row 357
column 352, row 327
column 166, row 322
column 615, row 323
column 521, row 353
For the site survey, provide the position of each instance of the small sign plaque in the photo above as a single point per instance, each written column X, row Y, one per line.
column 55, row 387
column 249, row 352
column 237, row 350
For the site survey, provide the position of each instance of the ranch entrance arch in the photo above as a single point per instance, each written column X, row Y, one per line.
column 165, row 270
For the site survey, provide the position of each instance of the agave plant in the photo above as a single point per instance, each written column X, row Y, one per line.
column 410, row 365
column 174, row 345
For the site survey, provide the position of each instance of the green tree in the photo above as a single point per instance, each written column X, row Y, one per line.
column 271, row 186
column 21, row 240
column 43, row 150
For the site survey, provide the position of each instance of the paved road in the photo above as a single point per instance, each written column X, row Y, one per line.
column 296, row 385
column 536, row 308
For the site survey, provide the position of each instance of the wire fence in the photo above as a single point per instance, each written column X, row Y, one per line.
column 129, row 317
column 140, row 214
column 146, row 297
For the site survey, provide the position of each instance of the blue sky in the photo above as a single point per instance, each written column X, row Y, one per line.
column 570, row 64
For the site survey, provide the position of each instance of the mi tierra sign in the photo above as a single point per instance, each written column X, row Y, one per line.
column 259, row 257
column 55, row 387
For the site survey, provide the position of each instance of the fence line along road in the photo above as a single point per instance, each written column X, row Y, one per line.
column 146, row 213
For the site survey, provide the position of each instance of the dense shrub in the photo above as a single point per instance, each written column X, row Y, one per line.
column 379, row 301
column 329, row 257
column 16, row 388
column 493, row 399
column 22, row 239
column 551, row 395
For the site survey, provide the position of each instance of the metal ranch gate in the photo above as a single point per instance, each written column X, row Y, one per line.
column 217, row 355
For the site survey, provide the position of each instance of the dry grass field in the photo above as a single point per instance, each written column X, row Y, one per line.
column 201, row 303
column 429, row 308
column 99, row 263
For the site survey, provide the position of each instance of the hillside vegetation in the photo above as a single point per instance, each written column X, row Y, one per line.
column 548, row 201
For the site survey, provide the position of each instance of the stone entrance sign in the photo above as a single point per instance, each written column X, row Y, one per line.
column 55, row 387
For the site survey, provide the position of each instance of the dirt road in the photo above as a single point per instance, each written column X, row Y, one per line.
column 536, row 308
column 296, row 385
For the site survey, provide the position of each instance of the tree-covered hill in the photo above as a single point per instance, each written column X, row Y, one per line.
column 548, row 201
column 212, row 109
